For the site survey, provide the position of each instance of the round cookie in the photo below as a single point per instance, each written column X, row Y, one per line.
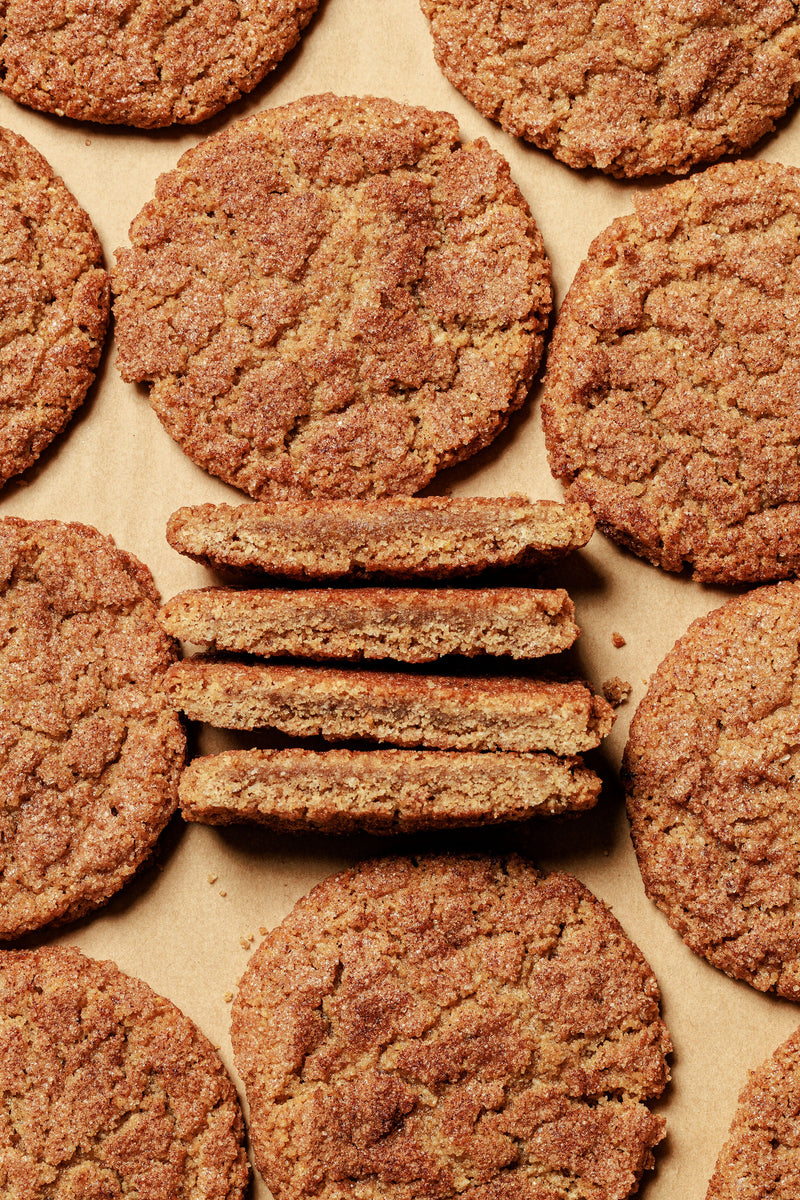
column 450, row 1026
column 143, row 63
column 54, row 304
column 710, row 769
column 107, row 1089
column 632, row 87
column 761, row 1157
column 670, row 400
column 334, row 298
column 90, row 752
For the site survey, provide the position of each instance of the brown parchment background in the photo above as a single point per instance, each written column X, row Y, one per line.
column 182, row 924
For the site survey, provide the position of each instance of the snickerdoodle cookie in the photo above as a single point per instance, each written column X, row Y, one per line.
column 336, row 298
column 671, row 390
column 90, row 751
column 633, row 87
column 53, row 304
column 711, row 770
column 107, row 1089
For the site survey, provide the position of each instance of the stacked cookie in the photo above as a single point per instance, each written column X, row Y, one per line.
column 452, row 748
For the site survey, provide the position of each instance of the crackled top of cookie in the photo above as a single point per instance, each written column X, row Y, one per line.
column 671, row 392
column 140, row 63
column 442, row 1026
column 632, row 87
column 107, row 1089
column 90, row 751
column 711, row 766
column 761, row 1156
column 53, row 304
column 336, row 297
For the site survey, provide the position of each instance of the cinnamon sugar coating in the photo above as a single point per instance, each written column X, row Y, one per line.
column 450, row 1026
column 335, row 298
column 670, row 399
column 632, row 87
column 107, row 1089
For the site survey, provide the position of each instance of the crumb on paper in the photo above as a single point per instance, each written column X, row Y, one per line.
column 616, row 690
column 262, row 929
column 213, row 878
column 246, row 940
column 228, row 997
column 223, row 893
column 617, row 639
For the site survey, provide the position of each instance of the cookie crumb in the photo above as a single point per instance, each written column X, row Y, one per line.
column 213, row 878
column 616, row 690
column 228, row 997
column 262, row 929
column 223, row 893
column 618, row 640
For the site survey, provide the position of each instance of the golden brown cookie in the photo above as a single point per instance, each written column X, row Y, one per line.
column 393, row 537
column 381, row 791
column 53, row 304
column 711, row 770
column 107, row 1089
column 670, row 399
column 142, row 63
column 450, row 1026
column 761, row 1157
column 90, row 751
column 406, row 624
column 633, row 87
column 336, row 298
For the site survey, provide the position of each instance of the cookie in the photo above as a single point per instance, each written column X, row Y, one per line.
column 450, row 1026
column 710, row 770
column 670, row 394
column 89, row 748
column 334, row 298
column 143, row 64
column 438, row 711
column 760, row 1157
column 395, row 537
column 381, row 791
column 54, row 304
column 632, row 87
column 107, row 1089
column 406, row 624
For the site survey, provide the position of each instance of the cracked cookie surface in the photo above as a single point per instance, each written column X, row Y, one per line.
column 632, row 87
column 450, row 1025
column 334, row 298
column 710, row 770
column 90, row 751
column 146, row 63
column 54, row 304
column 670, row 401
column 107, row 1089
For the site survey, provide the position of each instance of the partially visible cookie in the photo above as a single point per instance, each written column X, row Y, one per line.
column 711, row 769
column 405, row 624
column 140, row 63
column 633, row 87
column 438, row 711
column 107, row 1089
column 90, row 750
column 394, row 537
column 670, row 402
column 381, row 791
column 420, row 1029
column 54, row 304
column 334, row 298
column 762, row 1154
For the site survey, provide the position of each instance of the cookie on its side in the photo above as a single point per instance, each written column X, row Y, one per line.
column 381, row 791
column 334, row 298
column 634, row 87
column 711, row 769
column 670, row 401
column 143, row 64
column 54, row 304
column 761, row 1156
column 415, row 1030
column 438, row 711
column 90, row 751
column 411, row 625
column 107, row 1089
column 395, row 537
